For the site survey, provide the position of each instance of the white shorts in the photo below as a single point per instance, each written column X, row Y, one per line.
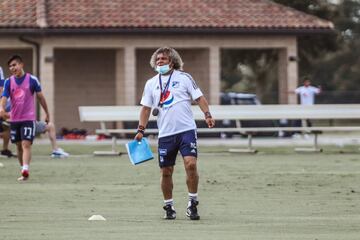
column 40, row 127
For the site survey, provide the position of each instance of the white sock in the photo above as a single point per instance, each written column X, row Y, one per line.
column 169, row 202
column 192, row 196
column 25, row 167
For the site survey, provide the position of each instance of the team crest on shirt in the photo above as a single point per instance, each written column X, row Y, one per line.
column 19, row 93
column 175, row 84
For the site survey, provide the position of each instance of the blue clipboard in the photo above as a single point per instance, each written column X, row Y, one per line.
column 139, row 151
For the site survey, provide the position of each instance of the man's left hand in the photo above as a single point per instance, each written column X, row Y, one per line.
column 210, row 122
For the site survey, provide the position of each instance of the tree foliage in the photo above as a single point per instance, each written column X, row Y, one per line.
column 252, row 71
column 331, row 60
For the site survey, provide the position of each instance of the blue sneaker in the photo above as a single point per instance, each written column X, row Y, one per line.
column 170, row 212
column 192, row 212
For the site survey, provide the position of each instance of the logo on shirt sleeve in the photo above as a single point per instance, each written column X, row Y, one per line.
column 175, row 84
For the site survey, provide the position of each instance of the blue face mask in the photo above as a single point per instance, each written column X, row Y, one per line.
column 163, row 69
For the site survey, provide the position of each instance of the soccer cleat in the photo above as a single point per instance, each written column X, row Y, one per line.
column 7, row 152
column 59, row 153
column 170, row 212
column 192, row 212
column 24, row 175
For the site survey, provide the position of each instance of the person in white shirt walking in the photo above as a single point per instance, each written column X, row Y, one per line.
column 169, row 94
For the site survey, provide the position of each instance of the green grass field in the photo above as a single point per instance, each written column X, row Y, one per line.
column 275, row 194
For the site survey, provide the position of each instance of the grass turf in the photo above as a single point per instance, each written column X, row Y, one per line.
column 276, row 194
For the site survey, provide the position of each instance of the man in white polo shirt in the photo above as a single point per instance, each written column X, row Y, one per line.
column 168, row 95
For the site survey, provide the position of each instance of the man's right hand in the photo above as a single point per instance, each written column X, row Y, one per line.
column 140, row 132
column 138, row 136
column 4, row 114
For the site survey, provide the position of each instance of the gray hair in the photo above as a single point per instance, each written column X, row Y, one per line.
column 173, row 55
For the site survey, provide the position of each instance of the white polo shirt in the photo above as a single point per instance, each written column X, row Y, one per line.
column 175, row 116
column 307, row 94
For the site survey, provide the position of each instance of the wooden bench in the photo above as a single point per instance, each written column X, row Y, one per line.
column 103, row 114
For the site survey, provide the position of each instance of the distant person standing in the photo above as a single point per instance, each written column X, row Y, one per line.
column 21, row 88
column 307, row 95
column 307, row 92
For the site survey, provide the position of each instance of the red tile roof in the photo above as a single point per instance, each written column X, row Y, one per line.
column 18, row 13
column 152, row 14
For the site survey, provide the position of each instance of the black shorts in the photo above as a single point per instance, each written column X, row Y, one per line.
column 1, row 125
column 169, row 146
column 20, row 131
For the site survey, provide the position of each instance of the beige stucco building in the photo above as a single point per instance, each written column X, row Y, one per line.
column 96, row 56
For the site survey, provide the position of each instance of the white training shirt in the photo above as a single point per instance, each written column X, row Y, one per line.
column 175, row 116
column 307, row 94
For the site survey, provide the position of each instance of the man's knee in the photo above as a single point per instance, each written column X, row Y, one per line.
column 26, row 144
column 49, row 126
column 166, row 172
column 190, row 164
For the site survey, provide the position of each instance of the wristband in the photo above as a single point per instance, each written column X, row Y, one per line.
column 207, row 115
column 141, row 129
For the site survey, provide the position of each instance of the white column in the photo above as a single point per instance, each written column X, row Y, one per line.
column 214, row 73
column 47, row 78
column 292, row 71
column 288, row 73
column 130, row 75
column 119, row 77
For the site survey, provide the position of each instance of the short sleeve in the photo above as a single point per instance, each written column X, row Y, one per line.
column 192, row 87
column 6, row 90
column 316, row 90
column 147, row 99
column 35, row 84
column 2, row 77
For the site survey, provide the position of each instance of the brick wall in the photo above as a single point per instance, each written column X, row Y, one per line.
column 82, row 77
